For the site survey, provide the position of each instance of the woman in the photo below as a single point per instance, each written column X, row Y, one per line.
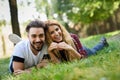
column 63, row 46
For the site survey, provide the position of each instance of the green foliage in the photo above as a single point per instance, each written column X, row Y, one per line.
column 2, row 23
column 4, row 67
column 61, row 6
column 41, row 5
column 92, row 10
column 86, row 11
column 103, row 66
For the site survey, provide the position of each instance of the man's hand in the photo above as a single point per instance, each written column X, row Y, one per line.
column 18, row 72
column 43, row 63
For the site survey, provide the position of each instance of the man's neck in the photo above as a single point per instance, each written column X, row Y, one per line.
column 35, row 52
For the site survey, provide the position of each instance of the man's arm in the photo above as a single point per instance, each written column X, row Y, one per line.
column 18, row 65
column 18, row 68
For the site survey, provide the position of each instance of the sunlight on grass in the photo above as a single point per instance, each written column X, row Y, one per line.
column 113, row 33
column 103, row 66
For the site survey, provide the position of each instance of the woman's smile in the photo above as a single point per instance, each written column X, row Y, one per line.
column 55, row 33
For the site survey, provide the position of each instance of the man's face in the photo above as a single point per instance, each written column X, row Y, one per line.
column 37, row 38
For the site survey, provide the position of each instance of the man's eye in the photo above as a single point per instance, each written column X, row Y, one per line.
column 33, row 36
column 42, row 35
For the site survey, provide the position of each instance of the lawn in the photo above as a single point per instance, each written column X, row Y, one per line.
column 103, row 66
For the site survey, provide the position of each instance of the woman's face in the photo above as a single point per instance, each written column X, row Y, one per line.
column 55, row 33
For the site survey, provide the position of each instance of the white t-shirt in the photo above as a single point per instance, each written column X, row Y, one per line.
column 22, row 50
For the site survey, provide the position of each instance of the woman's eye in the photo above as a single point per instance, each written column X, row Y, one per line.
column 57, row 29
column 51, row 32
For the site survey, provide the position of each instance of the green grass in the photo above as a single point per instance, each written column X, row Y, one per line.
column 103, row 66
column 4, row 63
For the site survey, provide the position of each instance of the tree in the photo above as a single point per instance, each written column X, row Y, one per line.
column 83, row 14
column 3, row 23
column 14, row 17
column 89, row 11
column 43, row 6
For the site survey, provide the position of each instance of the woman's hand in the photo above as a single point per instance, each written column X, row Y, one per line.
column 74, row 54
column 52, row 46
column 59, row 46
column 64, row 46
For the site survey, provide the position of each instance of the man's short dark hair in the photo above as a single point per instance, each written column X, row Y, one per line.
column 35, row 24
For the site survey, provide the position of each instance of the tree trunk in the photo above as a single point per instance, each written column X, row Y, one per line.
column 14, row 17
column 3, row 45
column 117, row 18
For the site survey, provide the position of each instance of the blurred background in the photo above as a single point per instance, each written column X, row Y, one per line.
column 82, row 17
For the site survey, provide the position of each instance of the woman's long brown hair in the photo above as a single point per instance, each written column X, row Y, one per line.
column 65, row 35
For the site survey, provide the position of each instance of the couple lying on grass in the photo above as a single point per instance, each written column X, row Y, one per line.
column 47, row 41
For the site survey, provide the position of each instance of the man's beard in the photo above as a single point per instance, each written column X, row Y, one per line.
column 35, row 47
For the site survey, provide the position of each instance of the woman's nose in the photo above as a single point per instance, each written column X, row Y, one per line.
column 56, row 33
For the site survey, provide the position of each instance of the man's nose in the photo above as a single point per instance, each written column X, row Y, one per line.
column 38, row 39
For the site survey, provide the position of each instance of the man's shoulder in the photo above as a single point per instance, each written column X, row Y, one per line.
column 21, row 48
column 22, row 43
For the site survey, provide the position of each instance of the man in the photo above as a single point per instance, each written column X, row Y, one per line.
column 29, row 53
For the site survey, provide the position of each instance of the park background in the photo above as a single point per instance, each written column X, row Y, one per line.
column 86, row 18
column 83, row 17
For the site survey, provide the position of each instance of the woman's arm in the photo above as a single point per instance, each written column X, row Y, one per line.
column 54, row 59
column 69, row 48
column 52, row 47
